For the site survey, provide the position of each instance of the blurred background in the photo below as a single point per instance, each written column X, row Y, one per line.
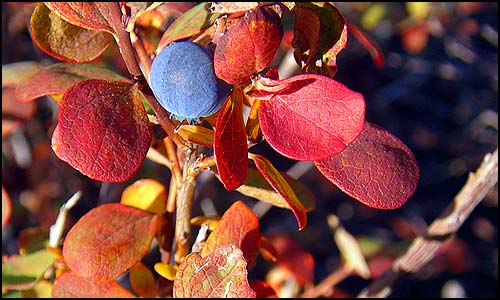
column 438, row 93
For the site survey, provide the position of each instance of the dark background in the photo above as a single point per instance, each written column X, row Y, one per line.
column 440, row 99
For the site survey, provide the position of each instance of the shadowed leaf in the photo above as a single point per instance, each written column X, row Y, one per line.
column 230, row 142
column 14, row 73
column 63, row 40
column 320, row 33
column 238, row 226
column 248, row 46
column 142, row 281
column 146, row 194
column 282, row 187
column 57, row 78
column 108, row 240
column 222, row 274
column 377, row 169
column 70, row 285
column 262, row 289
column 41, row 289
column 322, row 116
column 291, row 256
column 190, row 23
column 103, row 130
column 256, row 186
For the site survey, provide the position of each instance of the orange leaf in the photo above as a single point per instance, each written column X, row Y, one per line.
column 6, row 206
column 146, row 194
column 281, row 186
column 142, row 281
column 230, row 142
column 222, row 274
column 70, row 285
column 63, row 40
column 108, row 240
column 238, row 226
column 197, row 134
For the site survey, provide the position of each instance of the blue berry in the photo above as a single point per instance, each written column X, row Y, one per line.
column 184, row 82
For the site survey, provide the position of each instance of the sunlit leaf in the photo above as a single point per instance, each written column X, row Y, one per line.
column 282, row 187
column 90, row 15
column 142, row 281
column 146, row 194
column 22, row 270
column 70, row 285
column 248, row 46
column 322, row 116
column 222, row 274
column 103, row 130
column 165, row 270
column 57, row 78
column 230, row 142
column 65, row 41
column 238, row 226
column 256, row 186
column 108, row 240
column 349, row 248
column 197, row 134
column 377, row 169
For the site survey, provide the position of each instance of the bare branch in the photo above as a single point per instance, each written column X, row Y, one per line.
column 424, row 248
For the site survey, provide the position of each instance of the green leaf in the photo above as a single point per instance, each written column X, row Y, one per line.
column 23, row 270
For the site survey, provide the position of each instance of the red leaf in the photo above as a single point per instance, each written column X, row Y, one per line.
column 293, row 258
column 6, row 207
column 310, row 116
column 108, row 240
column 262, row 289
column 238, row 226
column 222, row 274
column 230, row 142
column 281, row 186
column 90, row 15
column 370, row 45
column 57, row 78
column 377, row 169
column 103, row 130
column 70, row 285
column 248, row 46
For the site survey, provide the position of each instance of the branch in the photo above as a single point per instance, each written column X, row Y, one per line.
column 424, row 248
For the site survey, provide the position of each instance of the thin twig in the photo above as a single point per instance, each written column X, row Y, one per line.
column 184, row 203
column 424, row 248
column 56, row 230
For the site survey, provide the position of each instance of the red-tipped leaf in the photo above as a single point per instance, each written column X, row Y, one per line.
column 281, row 186
column 108, row 240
